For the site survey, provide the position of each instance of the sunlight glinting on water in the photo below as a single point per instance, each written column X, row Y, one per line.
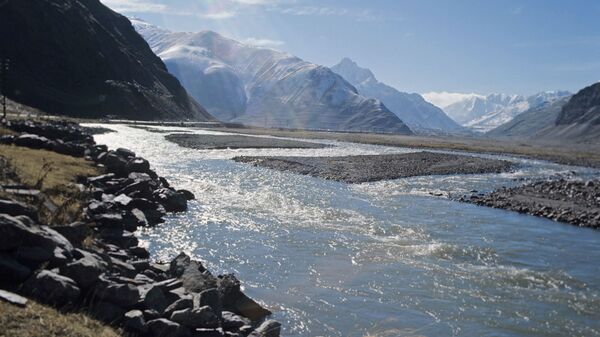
column 377, row 259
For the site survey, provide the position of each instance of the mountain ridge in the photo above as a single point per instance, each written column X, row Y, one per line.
column 271, row 88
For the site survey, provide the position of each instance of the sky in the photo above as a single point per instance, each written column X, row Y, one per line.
column 464, row 46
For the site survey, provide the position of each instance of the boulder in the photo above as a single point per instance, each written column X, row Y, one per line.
column 162, row 327
column 269, row 328
column 170, row 199
column 137, row 165
column 107, row 312
column 121, row 238
column 139, row 252
column 7, row 139
column 84, row 271
column 124, row 295
column 122, row 200
column 236, row 301
column 113, row 220
column 196, row 318
column 126, row 153
column 13, row 298
column 115, row 163
column 181, row 304
column 32, row 141
column 49, row 287
column 211, row 298
column 15, row 208
column 121, row 267
column 231, row 321
column 179, row 264
column 75, row 232
column 159, row 298
column 14, row 233
column 11, row 270
column 33, row 256
column 197, row 279
column 134, row 321
column 187, row 194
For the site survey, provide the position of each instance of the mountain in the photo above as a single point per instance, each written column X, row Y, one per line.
column 531, row 122
column 579, row 119
column 264, row 87
column 79, row 58
column 417, row 113
column 483, row 113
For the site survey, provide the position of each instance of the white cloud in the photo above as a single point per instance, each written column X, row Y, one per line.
column 218, row 15
column 262, row 42
column 140, row 6
column 443, row 99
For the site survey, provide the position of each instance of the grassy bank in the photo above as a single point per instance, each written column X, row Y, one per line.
column 38, row 320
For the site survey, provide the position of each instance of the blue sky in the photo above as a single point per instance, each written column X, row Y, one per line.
column 420, row 46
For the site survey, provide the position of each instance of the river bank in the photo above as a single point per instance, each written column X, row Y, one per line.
column 94, row 262
column 574, row 202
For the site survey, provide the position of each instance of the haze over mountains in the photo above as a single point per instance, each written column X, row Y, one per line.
column 417, row 113
column 264, row 87
column 483, row 113
column 80, row 58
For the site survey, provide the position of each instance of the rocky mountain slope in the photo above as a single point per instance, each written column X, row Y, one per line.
column 264, row 87
column 483, row 113
column 80, row 58
column 531, row 122
column 579, row 119
column 417, row 113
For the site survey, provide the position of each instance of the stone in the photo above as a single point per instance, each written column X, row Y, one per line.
column 210, row 297
column 179, row 264
column 187, row 194
column 231, row 321
column 202, row 317
column 134, row 321
column 122, row 200
column 181, row 304
column 163, row 327
column 114, row 163
column 84, row 271
column 139, row 252
column 269, row 328
column 122, row 267
column 113, row 220
column 11, row 270
column 107, row 312
column 75, row 232
column 15, row 208
column 50, row 287
column 32, row 141
column 122, row 294
column 158, row 298
column 121, row 238
column 170, row 199
column 125, row 152
column 13, row 298
column 137, row 165
column 236, row 301
column 98, row 180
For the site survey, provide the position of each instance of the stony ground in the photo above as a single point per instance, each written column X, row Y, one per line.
column 575, row 202
column 215, row 142
column 358, row 169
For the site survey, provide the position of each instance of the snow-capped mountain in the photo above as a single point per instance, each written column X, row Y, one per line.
column 417, row 113
column 265, row 87
column 483, row 113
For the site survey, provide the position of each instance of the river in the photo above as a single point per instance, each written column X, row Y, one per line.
column 376, row 259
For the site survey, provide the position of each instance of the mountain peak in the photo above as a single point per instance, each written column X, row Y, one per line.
column 352, row 72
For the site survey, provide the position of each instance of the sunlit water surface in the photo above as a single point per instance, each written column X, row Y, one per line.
column 377, row 259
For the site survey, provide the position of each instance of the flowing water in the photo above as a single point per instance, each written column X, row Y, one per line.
column 377, row 259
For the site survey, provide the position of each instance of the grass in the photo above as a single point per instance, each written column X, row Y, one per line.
column 38, row 320
column 54, row 174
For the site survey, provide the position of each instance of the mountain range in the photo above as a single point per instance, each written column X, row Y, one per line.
column 485, row 112
column 418, row 114
column 80, row 58
column 265, row 87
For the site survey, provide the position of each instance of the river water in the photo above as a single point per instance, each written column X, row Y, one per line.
column 377, row 259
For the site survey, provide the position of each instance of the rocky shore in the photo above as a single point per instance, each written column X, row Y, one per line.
column 96, row 265
column 574, row 202
column 217, row 142
column 366, row 168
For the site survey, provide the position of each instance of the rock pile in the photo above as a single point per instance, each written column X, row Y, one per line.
column 574, row 202
column 97, row 265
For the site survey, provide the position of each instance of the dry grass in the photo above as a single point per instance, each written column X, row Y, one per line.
column 36, row 320
column 6, row 132
column 53, row 174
